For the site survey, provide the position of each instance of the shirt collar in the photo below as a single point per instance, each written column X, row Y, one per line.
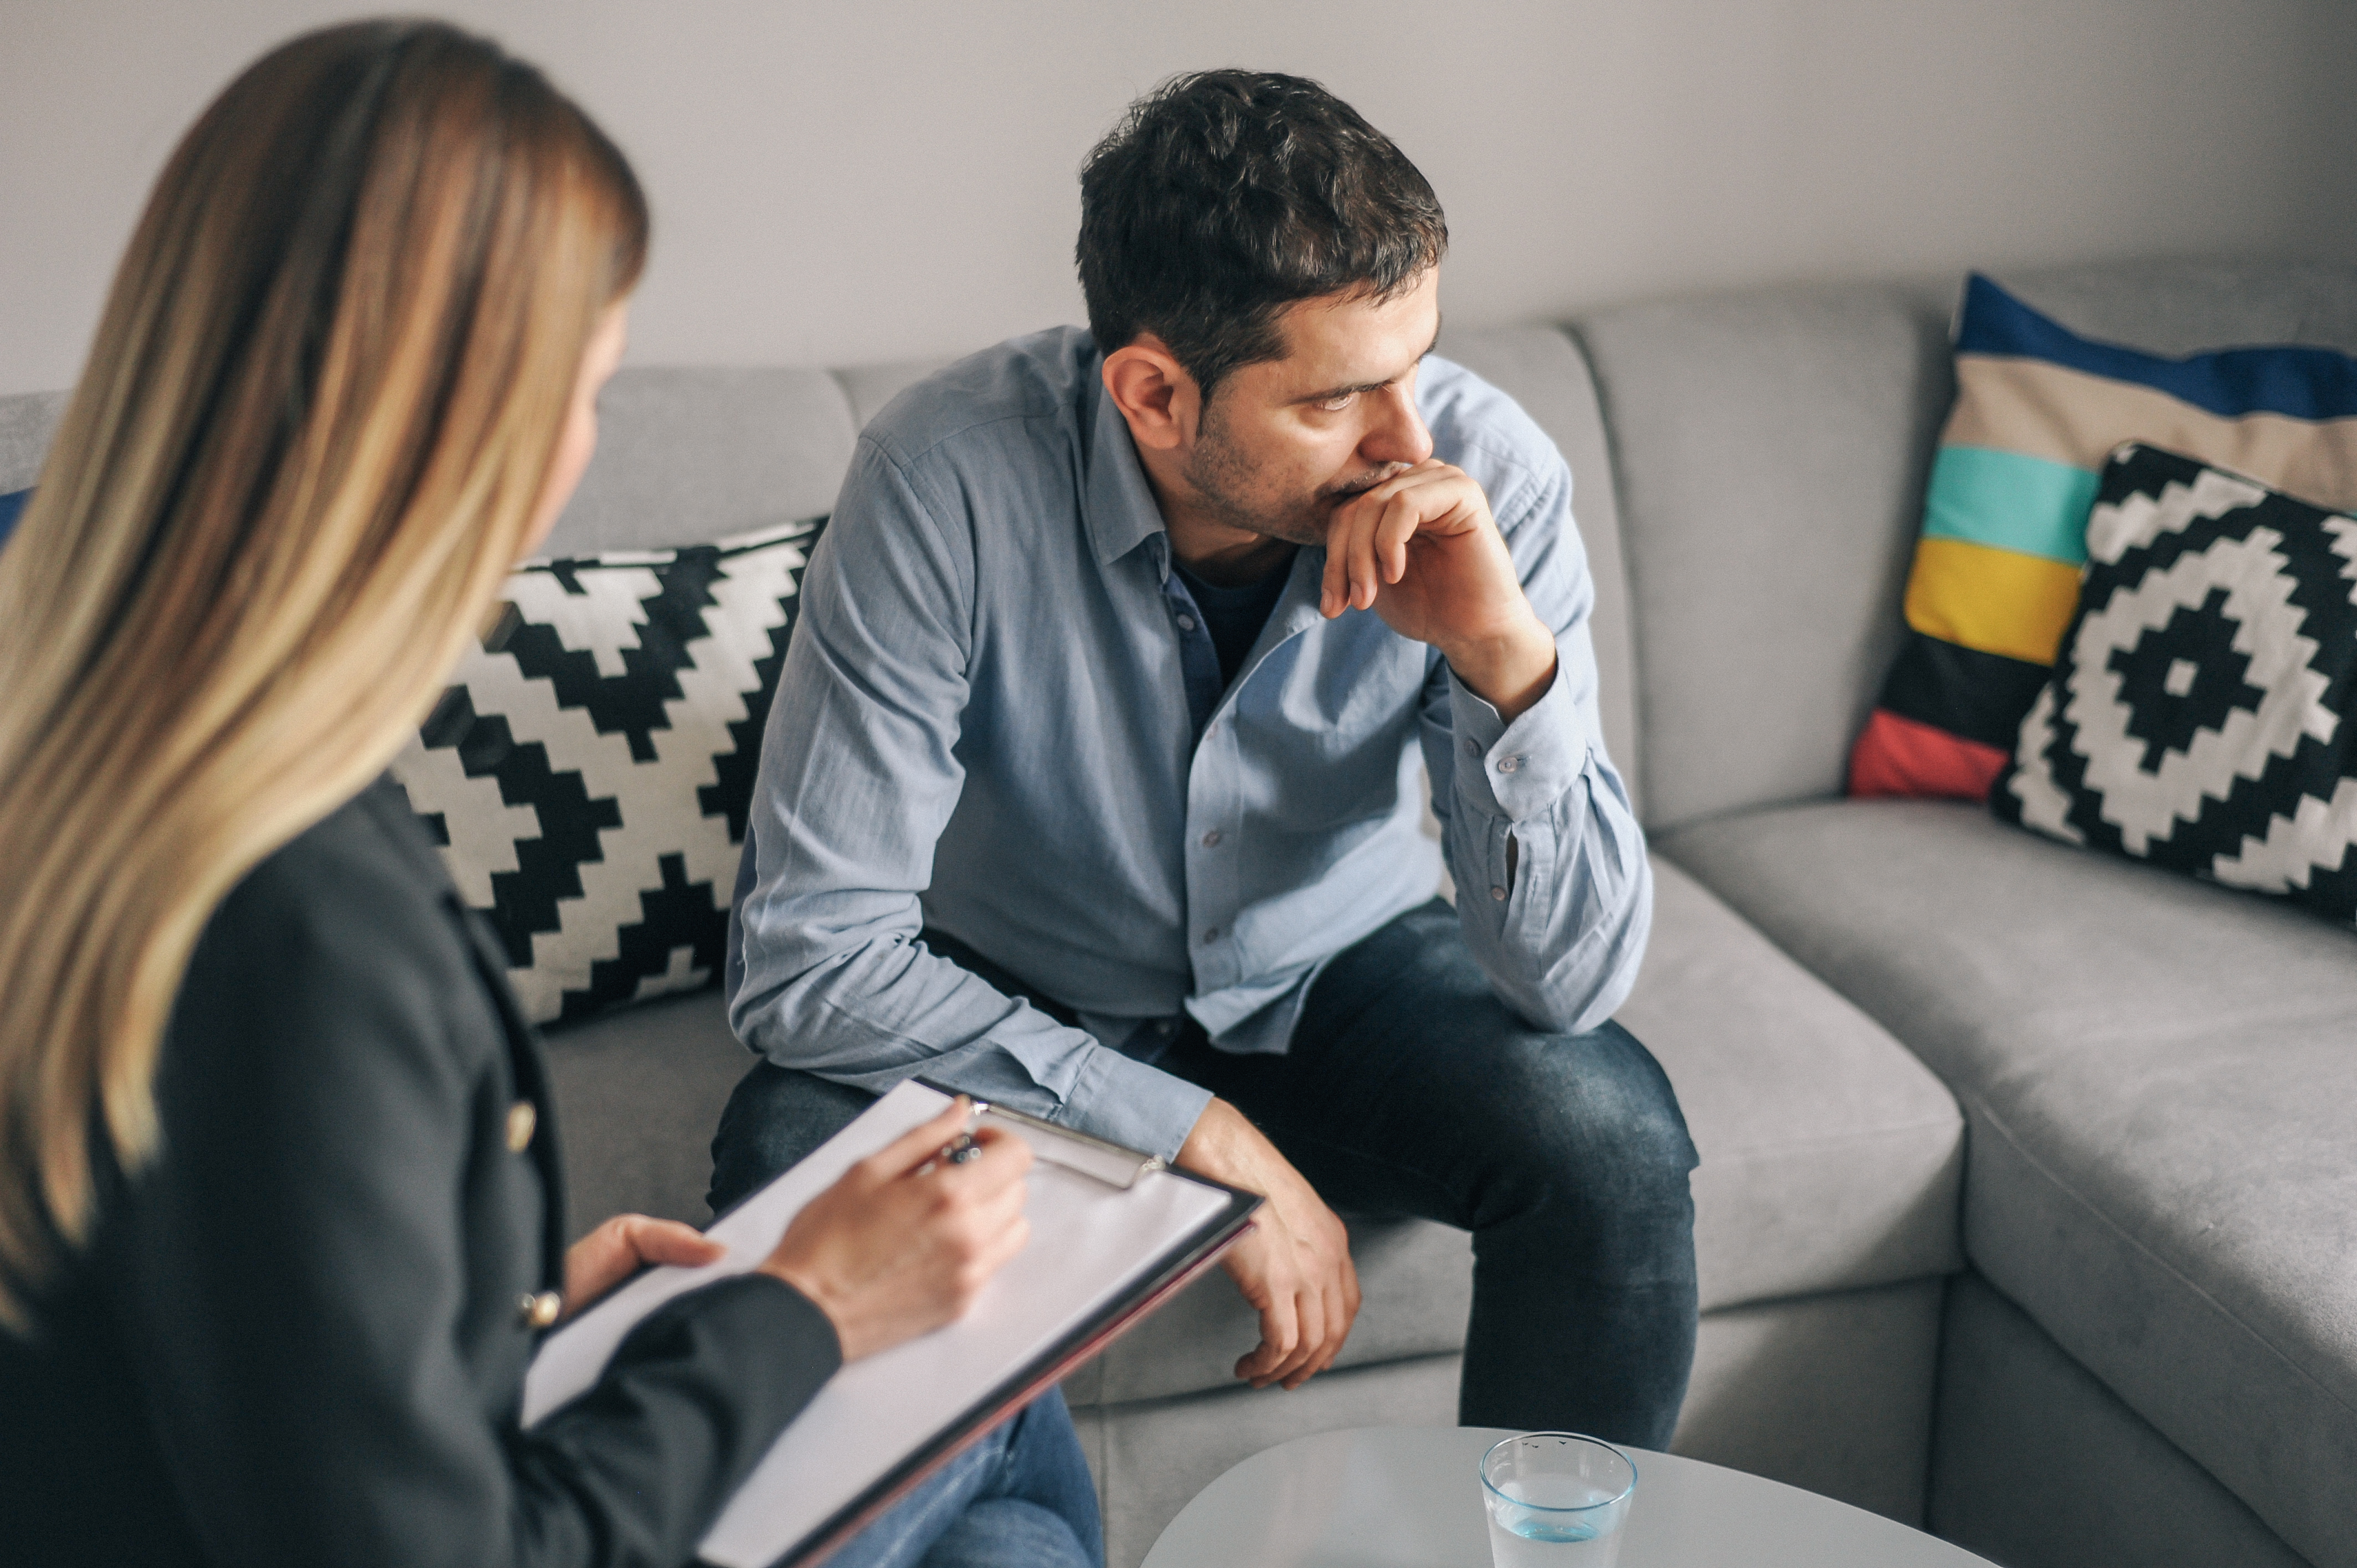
column 1117, row 502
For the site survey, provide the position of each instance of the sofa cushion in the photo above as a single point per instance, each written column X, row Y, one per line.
column 2038, row 409
column 1830, row 1157
column 2162, row 1095
column 638, row 1094
column 2202, row 712
column 589, row 770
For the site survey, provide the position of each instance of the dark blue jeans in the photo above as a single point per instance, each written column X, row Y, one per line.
column 1410, row 1089
column 1019, row 1498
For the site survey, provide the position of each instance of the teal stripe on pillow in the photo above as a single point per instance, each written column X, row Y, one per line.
column 2008, row 501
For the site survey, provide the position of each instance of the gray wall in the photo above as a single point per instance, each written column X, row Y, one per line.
column 840, row 182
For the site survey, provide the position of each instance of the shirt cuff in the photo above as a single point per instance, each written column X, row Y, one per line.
column 1127, row 1102
column 1518, row 770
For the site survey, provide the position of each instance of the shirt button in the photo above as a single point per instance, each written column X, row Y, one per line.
column 1211, row 933
column 541, row 1310
column 1186, row 623
column 1211, row 839
column 1509, row 764
column 522, row 1121
column 1498, row 894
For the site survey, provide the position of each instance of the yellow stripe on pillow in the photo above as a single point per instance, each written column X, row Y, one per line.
column 1993, row 601
column 2049, row 410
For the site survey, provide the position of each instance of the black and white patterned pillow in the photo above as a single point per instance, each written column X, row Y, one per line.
column 589, row 770
column 2202, row 712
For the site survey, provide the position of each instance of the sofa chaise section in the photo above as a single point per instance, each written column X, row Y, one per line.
column 2159, row 1076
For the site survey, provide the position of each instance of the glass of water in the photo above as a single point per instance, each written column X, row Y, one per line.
column 1556, row 1500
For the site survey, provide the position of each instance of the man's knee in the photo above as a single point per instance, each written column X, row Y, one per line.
column 776, row 1116
column 1597, row 1121
column 1635, row 1107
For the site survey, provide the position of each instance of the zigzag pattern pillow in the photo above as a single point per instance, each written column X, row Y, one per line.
column 2202, row 712
column 589, row 770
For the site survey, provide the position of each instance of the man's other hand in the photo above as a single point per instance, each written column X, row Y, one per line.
column 1293, row 1267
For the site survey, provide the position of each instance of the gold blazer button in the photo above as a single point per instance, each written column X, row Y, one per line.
column 541, row 1310
column 522, row 1122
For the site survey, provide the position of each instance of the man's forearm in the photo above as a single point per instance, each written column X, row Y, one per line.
column 1510, row 673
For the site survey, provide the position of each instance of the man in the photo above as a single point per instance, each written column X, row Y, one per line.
column 1091, row 784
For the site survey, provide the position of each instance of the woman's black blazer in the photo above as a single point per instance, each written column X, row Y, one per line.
column 299, row 1335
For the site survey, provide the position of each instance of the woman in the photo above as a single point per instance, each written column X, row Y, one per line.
column 279, row 1220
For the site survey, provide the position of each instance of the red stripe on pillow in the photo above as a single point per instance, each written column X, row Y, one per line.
column 1899, row 757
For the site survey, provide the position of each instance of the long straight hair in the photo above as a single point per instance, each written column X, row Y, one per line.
column 325, row 394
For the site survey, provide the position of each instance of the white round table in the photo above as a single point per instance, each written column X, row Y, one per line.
column 1408, row 1497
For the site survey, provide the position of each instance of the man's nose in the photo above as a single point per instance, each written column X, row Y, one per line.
column 1397, row 434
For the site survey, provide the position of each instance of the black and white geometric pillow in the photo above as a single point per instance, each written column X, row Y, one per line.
column 589, row 770
column 2202, row 712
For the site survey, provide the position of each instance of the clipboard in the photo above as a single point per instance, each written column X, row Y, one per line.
column 1114, row 1234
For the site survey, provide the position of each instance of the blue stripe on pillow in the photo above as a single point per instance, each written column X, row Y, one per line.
column 2299, row 382
column 11, row 505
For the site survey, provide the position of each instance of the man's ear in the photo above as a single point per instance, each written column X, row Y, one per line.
column 1154, row 393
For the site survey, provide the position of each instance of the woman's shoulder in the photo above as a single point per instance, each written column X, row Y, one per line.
column 367, row 861
column 353, row 924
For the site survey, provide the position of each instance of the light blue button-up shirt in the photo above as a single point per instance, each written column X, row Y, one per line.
column 1001, row 715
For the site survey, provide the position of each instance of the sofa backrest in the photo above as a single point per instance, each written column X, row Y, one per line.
column 1542, row 370
column 1772, row 448
column 27, row 424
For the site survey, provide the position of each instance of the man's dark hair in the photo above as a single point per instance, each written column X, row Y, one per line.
column 1225, row 195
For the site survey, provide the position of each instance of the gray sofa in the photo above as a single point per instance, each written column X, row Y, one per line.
column 2124, row 1330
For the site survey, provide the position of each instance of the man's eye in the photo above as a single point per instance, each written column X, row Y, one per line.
column 1337, row 403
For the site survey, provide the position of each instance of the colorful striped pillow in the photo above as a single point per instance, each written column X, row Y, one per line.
column 2005, row 524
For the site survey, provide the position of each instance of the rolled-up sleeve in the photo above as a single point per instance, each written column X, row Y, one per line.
column 859, row 774
column 1554, row 892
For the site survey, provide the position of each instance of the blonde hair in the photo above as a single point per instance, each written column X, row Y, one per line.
column 325, row 394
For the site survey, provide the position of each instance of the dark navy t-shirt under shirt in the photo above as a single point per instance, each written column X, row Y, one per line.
column 1234, row 616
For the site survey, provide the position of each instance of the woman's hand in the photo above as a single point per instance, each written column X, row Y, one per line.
column 893, row 1251
column 615, row 1251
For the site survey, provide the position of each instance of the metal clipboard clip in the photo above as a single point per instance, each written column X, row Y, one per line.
column 1107, row 1162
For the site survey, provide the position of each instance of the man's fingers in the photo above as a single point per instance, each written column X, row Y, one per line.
column 1309, row 1335
column 1310, row 1313
column 1333, row 588
column 1341, row 1310
column 1366, row 569
column 1399, row 525
column 1280, row 1332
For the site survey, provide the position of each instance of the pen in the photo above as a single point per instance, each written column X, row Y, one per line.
column 961, row 1149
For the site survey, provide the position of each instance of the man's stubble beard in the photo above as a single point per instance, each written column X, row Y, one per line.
column 1222, row 479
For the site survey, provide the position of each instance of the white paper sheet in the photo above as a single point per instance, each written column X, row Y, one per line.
column 1089, row 1243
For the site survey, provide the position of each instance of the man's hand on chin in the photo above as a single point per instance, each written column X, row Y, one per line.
column 1294, row 1265
column 1422, row 551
